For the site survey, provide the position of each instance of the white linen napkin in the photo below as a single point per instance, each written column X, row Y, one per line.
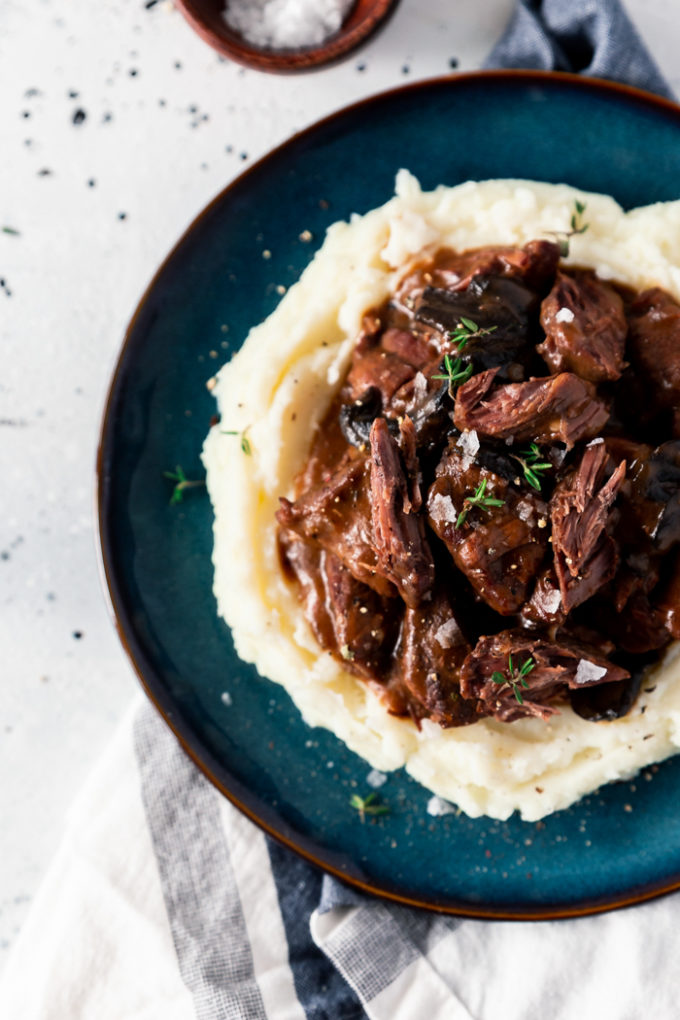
column 165, row 903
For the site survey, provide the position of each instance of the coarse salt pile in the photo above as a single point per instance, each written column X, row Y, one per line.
column 286, row 24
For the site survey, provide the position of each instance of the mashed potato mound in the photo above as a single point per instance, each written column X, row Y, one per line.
column 278, row 388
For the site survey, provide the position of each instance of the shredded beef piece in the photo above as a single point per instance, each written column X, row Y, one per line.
column 585, row 327
column 497, row 550
column 559, row 665
column 560, row 408
column 585, row 555
column 403, row 554
column 337, row 515
column 431, row 653
column 654, row 349
column 348, row 618
column 408, row 447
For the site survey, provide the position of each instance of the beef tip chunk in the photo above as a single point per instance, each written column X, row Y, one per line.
column 654, row 350
column 505, row 313
column 365, row 624
column 516, row 675
column 605, row 702
column 637, row 628
column 585, row 327
column 668, row 600
column 356, row 624
column 402, row 552
column 585, row 556
column 498, row 548
column 534, row 265
column 432, row 651
column 651, row 496
column 385, row 360
column 336, row 515
column 560, row 408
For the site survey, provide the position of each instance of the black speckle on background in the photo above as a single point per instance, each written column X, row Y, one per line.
column 243, row 155
column 28, row 142
column 31, row 93
column 133, row 72
column 108, row 116
column 79, row 116
column 91, row 183
column 161, row 102
column 51, row 597
column 4, row 287
column 178, row 65
column 4, row 555
column 26, row 114
column 149, row 4
column 77, row 634
column 361, row 67
column 453, row 62
column 122, row 215
column 193, row 108
column 72, row 94
column 45, row 172
column 229, row 148
column 406, row 69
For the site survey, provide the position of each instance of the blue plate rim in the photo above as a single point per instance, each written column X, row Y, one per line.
column 152, row 684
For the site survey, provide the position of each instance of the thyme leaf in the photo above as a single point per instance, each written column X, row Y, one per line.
column 245, row 442
column 515, row 677
column 368, row 805
column 454, row 371
column 577, row 227
column 479, row 499
column 467, row 330
column 532, row 465
column 182, row 483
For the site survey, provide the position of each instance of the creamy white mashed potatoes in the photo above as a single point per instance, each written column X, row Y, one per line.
column 278, row 388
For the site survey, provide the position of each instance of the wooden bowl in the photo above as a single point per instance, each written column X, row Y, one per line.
column 207, row 18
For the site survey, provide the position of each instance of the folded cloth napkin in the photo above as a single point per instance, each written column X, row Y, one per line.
column 592, row 37
column 165, row 903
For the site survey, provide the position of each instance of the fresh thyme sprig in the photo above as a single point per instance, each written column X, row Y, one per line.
column 478, row 499
column 368, row 805
column 577, row 227
column 515, row 678
column 12, row 231
column 182, row 483
column 454, row 371
column 245, row 442
column 532, row 465
column 468, row 330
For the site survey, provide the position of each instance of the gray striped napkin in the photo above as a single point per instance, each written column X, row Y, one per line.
column 165, row 903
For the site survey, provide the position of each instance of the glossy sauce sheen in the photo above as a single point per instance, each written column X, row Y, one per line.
column 427, row 562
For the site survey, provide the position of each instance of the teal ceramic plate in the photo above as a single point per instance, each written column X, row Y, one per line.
column 618, row 846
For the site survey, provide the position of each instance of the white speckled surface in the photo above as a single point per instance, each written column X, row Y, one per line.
column 97, row 205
